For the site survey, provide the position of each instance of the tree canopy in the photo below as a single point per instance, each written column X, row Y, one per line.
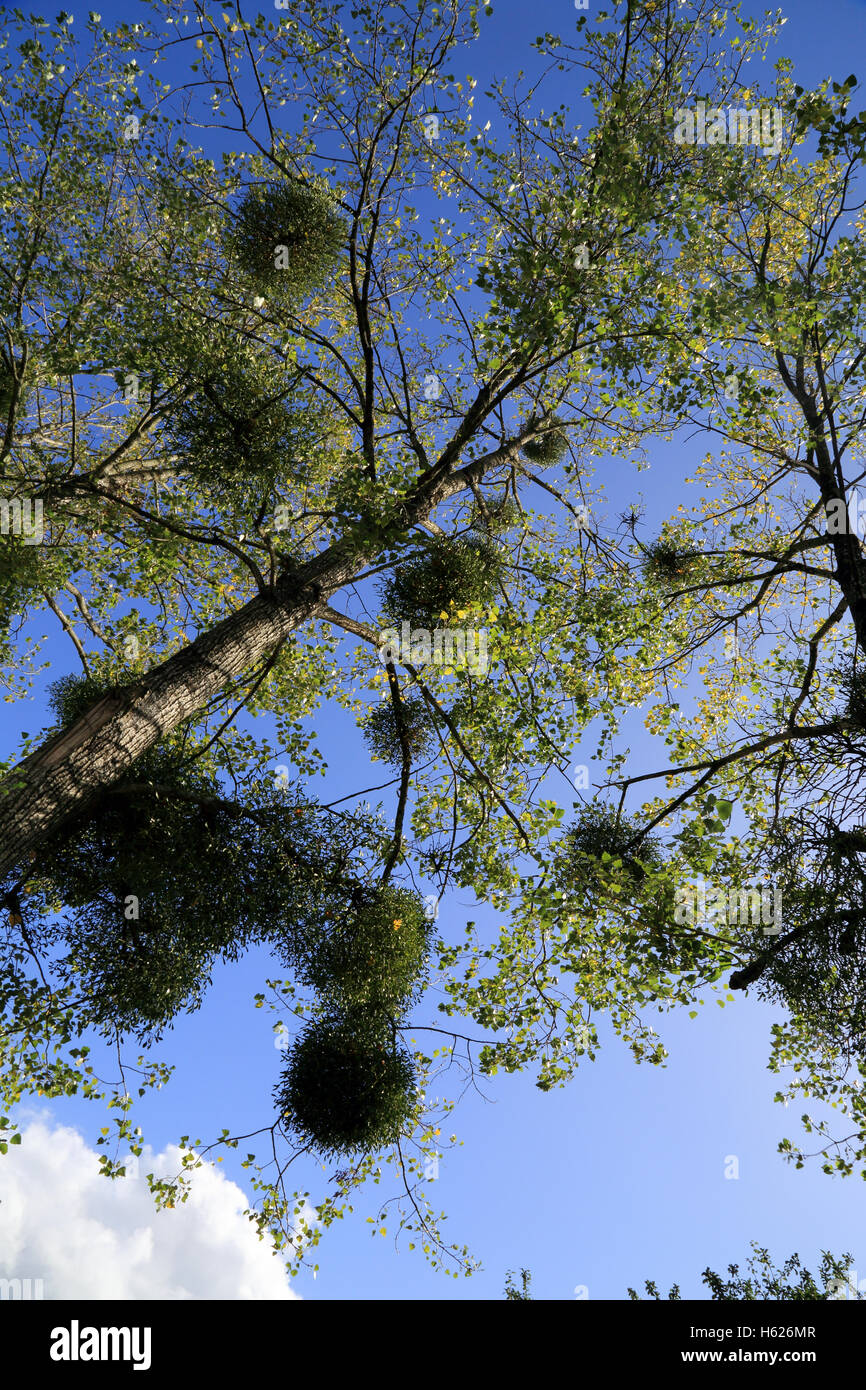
column 297, row 358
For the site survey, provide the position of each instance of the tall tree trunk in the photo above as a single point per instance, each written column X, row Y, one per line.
column 68, row 773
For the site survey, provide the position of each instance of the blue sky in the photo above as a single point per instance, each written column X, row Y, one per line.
column 619, row 1177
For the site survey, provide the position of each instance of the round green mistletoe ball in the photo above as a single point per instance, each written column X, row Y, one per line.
column 598, row 831
column 288, row 236
column 668, row 563
column 372, row 957
column 347, row 1086
column 551, row 444
column 382, row 731
column 448, row 575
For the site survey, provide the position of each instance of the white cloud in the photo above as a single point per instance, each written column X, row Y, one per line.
column 86, row 1236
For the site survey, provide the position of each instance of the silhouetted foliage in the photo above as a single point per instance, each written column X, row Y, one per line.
column 854, row 689
column 521, row 1294
column 792, row 1282
column 816, row 964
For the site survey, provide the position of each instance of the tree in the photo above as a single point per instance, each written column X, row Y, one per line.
column 790, row 1282
column 758, row 342
column 333, row 387
column 521, row 1293
column 765, row 353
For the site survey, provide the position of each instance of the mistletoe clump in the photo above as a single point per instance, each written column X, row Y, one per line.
column 444, row 579
column 372, row 957
column 288, row 236
column 132, row 979
column 162, row 875
column 550, row 444
column 849, row 842
column 383, row 729
column 599, row 831
column 816, row 966
column 822, row 979
column 666, row 562
column 7, row 386
column 71, row 696
column 16, row 378
column 496, row 517
column 235, row 431
column 162, row 881
column 347, row 1086
column 27, row 570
